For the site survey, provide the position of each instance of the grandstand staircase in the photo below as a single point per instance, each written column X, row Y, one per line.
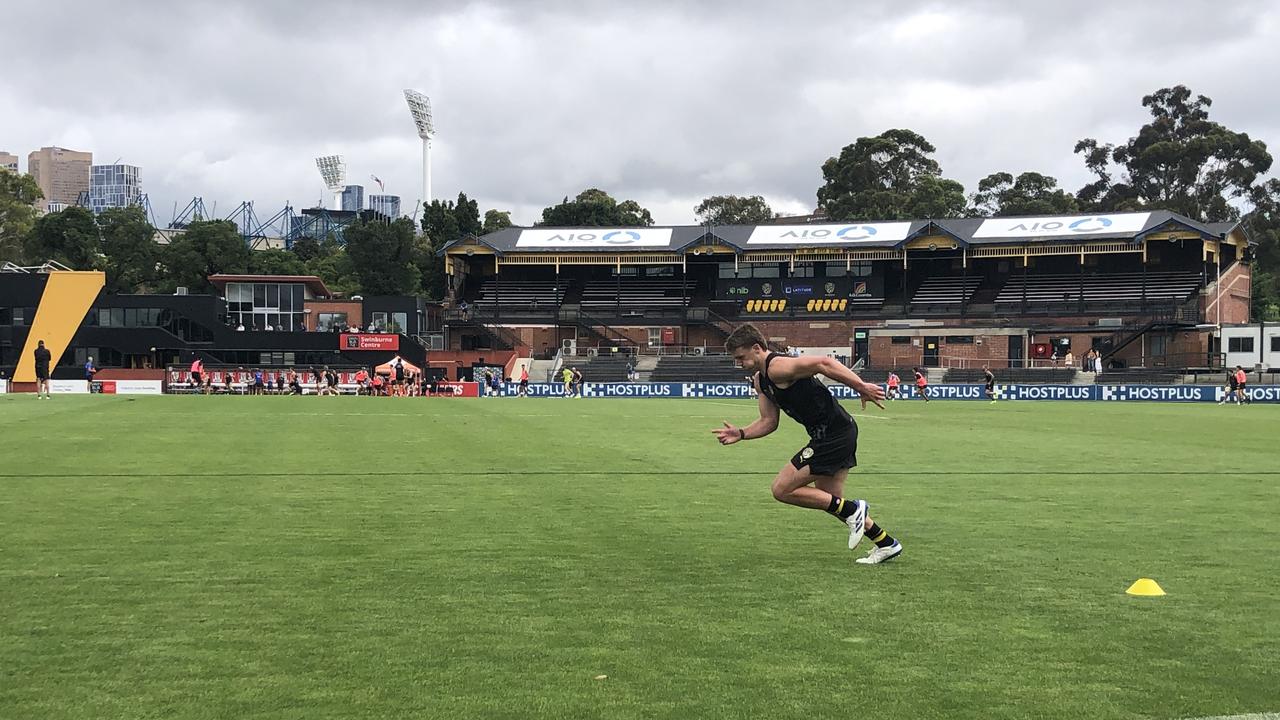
column 592, row 327
column 707, row 317
column 1183, row 316
column 502, row 338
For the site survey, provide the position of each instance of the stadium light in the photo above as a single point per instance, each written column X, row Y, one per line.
column 420, row 109
column 334, row 171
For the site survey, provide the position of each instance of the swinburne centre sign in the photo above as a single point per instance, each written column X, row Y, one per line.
column 1124, row 224
column 595, row 238
column 831, row 234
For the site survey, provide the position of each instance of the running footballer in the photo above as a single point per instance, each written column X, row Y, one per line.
column 815, row 476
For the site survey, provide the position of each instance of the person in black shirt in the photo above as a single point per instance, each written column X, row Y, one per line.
column 990, row 380
column 815, row 476
column 43, row 358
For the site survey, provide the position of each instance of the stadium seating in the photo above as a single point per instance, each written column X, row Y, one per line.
column 1052, row 376
column 521, row 293
column 1109, row 288
column 713, row 368
column 1138, row 376
column 634, row 293
column 945, row 290
column 605, row 368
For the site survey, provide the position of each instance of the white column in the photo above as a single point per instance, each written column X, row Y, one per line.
column 426, row 172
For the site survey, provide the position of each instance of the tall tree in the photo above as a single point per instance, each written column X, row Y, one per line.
column 1180, row 161
column 1263, row 226
column 440, row 226
column 596, row 208
column 208, row 247
column 18, row 195
column 128, row 242
column 891, row 176
column 69, row 236
column 276, row 262
column 733, row 210
column 1029, row 194
column 467, row 212
column 495, row 220
column 382, row 255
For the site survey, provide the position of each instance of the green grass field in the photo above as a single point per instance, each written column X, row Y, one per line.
column 182, row 557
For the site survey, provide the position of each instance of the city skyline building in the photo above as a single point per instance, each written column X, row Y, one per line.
column 353, row 197
column 61, row 174
column 8, row 161
column 114, row 186
column 388, row 205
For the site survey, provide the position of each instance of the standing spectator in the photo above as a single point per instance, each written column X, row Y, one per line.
column 89, row 371
column 258, row 383
column 197, row 374
column 524, row 381
column 398, row 369
column 465, row 310
column 1070, row 360
column 43, row 360
column 631, row 369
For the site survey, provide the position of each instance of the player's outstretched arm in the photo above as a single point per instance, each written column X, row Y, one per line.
column 792, row 369
column 765, row 424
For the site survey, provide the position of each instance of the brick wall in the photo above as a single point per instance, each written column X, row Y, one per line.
column 353, row 309
column 1237, row 285
column 985, row 349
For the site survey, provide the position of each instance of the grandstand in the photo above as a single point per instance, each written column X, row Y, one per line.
column 1139, row 287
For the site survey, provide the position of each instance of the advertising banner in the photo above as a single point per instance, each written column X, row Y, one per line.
column 1020, row 227
column 69, row 387
column 595, row 238
column 129, row 387
column 457, row 389
column 368, row 341
column 800, row 288
column 830, row 234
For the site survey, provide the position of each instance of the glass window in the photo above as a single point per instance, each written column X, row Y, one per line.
column 273, row 295
column 1275, row 344
column 959, row 339
column 326, row 322
column 399, row 322
column 18, row 316
column 259, row 295
column 378, row 322
column 131, row 317
column 726, row 271
column 298, row 295
column 860, row 269
column 117, row 317
column 1240, row 344
column 900, row 340
column 286, row 299
column 765, row 271
column 835, row 269
column 803, row 271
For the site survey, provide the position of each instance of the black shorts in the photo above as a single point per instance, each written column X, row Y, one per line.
column 991, row 387
column 524, row 383
column 42, row 374
column 195, row 377
column 838, row 451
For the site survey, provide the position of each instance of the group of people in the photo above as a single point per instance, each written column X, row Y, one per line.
column 572, row 378
column 893, row 386
column 1237, row 386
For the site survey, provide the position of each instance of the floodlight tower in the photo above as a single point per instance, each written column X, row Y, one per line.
column 334, row 171
column 420, row 109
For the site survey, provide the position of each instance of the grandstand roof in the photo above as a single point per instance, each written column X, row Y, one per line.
column 1022, row 230
column 316, row 285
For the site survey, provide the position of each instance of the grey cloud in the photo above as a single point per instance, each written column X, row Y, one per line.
column 664, row 102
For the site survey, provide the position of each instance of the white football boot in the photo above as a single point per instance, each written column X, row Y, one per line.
column 880, row 554
column 856, row 523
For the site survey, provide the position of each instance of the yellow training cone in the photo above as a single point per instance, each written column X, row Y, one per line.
column 1145, row 587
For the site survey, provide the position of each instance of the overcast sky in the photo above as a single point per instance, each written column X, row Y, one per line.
column 661, row 102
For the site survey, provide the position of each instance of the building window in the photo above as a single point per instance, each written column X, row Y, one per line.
column 1243, row 344
column 900, row 340
column 1275, row 344
column 399, row 322
column 330, row 322
column 959, row 339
